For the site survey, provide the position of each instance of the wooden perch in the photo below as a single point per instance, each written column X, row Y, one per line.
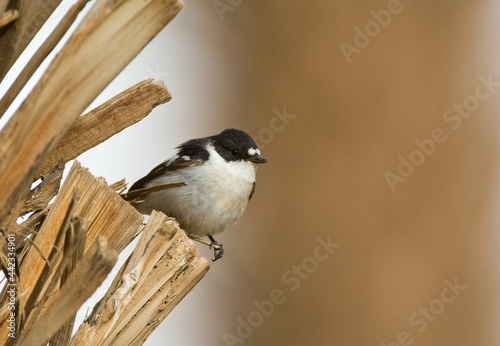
column 106, row 120
column 107, row 214
column 162, row 269
column 108, row 38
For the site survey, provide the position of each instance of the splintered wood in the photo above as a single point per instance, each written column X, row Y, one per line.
column 91, row 270
column 163, row 268
column 106, row 215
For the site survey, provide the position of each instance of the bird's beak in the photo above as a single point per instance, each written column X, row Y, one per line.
column 258, row 159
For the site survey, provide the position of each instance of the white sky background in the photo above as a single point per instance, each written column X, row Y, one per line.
column 190, row 56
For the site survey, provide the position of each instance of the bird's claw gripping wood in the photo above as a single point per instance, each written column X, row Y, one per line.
column 218, row 248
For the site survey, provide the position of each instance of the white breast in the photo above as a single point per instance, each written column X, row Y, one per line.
column 215, row 198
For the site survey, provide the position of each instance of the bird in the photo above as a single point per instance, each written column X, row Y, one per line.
column 220, row 172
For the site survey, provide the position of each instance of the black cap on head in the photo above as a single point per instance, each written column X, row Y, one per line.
column 234, row 145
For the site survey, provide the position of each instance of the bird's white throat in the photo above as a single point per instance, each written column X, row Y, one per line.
column 239, row 170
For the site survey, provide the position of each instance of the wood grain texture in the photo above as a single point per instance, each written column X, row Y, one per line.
column 162, row 269
column 106, row 213
column 92, row 270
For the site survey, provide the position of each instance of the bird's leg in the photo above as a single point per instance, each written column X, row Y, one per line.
column 218, row 248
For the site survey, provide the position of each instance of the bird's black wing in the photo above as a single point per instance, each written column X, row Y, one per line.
column 163, row 168
column 191, row 153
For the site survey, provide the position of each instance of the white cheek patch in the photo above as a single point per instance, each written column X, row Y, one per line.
column 186, row 158
column 253, row 151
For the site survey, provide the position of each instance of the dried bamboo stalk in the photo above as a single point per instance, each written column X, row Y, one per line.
column 154, row 222
column 161, row 303
column 106, row 120
column 159, row 273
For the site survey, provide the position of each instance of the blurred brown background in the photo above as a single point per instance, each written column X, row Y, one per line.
column 417, row 265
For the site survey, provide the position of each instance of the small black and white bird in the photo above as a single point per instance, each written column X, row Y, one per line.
column 220, row 173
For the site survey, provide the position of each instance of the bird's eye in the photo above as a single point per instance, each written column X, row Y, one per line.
column 234, row 152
